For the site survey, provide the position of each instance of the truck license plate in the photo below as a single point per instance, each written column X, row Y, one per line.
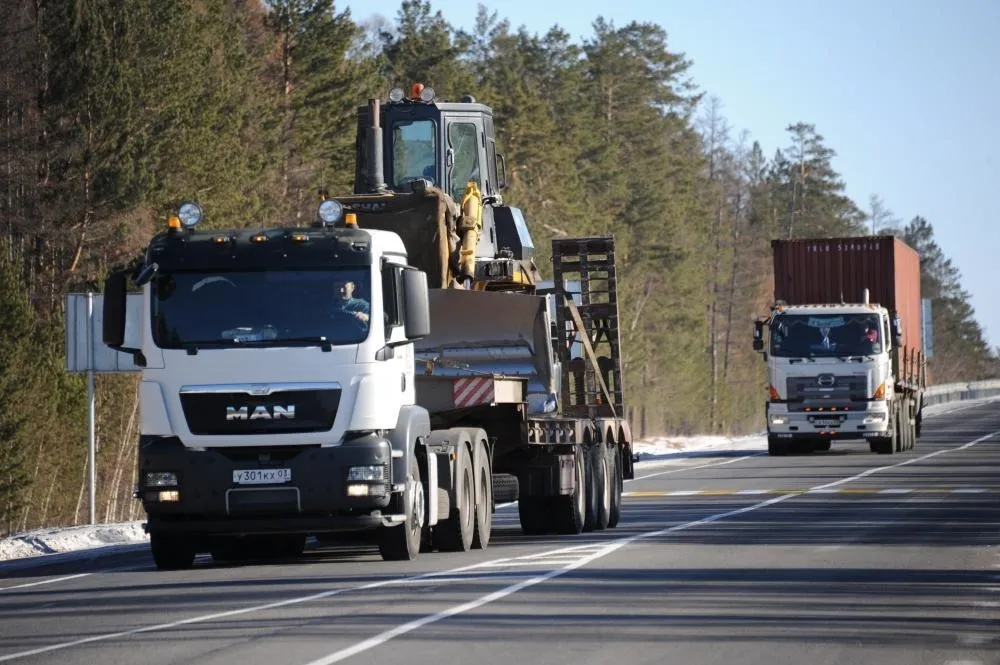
column 827, row 422
column 261, row 476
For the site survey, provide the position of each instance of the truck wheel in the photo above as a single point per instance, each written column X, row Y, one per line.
column 533, row 512
column 598, row 489
column 402, row 542
column 569, row 512
column 777, row 447
column 822, row 445
column 484, row 501
column 455, row 533
column 614, row 455
column 171, row 552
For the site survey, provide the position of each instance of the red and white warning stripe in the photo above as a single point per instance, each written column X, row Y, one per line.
column 472, row 391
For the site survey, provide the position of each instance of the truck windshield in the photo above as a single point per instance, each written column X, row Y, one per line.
column 260, row 308
column 818, row 336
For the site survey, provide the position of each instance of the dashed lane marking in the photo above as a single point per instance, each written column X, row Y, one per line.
column 806, row 490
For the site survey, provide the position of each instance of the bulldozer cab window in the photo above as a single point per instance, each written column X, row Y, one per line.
column 414, row 147
column 463, row 140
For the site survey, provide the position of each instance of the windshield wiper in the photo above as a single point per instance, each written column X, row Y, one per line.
column 192, row 348
column 324, row 344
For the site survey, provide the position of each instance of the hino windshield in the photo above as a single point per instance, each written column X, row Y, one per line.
column 817, row 336
column 265, row 308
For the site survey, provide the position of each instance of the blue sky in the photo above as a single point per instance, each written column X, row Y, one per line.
column 907, row 92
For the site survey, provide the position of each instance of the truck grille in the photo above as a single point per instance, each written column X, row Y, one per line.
column 281, row 412
column 824, row 387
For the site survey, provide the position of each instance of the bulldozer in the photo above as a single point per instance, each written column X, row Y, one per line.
column 430, row 172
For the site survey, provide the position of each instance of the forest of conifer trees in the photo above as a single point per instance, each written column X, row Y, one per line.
column 113, row 111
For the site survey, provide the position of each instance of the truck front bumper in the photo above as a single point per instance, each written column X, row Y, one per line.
column 867, row 420
column 260, row 490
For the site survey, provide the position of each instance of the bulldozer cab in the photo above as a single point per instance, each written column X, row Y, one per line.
column 446, row 144
column 430, row 172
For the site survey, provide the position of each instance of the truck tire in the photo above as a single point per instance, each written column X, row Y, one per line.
column 533, row 512
column 569, row 511
column 402, row 542
column 777, row 447
column 171, row 552
column 887, row 445
column 455, row 533
column 614, row 454
column 506, row 488
column 484, row 500
column 598, row 489
column 822, row 445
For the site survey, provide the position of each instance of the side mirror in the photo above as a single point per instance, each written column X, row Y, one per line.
column 416, row 305
column 758, row 336
column 115, row 293
column 501, row 172
column 897, row 330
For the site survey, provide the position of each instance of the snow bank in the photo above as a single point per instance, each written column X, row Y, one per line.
column 70, row 539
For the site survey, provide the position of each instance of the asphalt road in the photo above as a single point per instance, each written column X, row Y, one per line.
column 839, row 557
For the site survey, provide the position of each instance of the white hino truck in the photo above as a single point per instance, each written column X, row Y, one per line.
column 844, row 359
column 390, row 372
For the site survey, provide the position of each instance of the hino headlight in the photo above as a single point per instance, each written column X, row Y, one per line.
column 189, row 214
column 367, row 474
column 778, row 419
column 161, row 479
column 330, row 211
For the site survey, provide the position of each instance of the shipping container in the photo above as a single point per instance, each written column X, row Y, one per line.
column 838, row 270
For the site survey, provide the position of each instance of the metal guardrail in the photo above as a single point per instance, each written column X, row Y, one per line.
column 953, row 392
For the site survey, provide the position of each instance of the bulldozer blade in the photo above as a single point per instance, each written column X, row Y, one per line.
column 477, row 326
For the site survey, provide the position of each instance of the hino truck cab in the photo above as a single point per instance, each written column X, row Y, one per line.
column 830, row 374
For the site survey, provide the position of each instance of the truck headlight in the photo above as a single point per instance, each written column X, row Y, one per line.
column 778, row 419
column 873, row 418
column 161, row 479
column 366, row 474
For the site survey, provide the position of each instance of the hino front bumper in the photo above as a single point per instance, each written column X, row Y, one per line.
column 865, row 420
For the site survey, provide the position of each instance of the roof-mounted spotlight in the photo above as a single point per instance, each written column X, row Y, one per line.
column 189, row 214
column 330, row 212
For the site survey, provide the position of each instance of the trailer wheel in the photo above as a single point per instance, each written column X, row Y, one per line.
column 569, row 511
column 484, row 500
column 455, row 533
column 533, row 512
column 402, row 542
column 614, row 456
column 598, row 492
column 171, row 552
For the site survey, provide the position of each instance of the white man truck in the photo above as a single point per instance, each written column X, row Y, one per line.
column 271, row 411
column 843, row 345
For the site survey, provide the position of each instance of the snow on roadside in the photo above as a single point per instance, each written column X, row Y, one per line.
column 652, row 452
column 56, row 540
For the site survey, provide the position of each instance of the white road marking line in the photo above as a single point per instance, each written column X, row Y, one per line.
column 54, row 579
column 693, row 468
column 410, row 626
column 895, row 490
column 754, row 491
column 968, row 490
